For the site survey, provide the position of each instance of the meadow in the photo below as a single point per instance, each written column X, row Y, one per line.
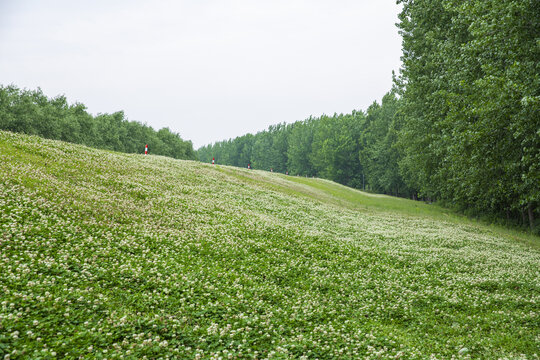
column 106, row 256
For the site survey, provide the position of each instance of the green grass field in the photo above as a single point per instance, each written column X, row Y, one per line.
column 107, row 255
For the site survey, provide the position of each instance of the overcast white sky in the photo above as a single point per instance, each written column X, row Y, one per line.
column 208, row 69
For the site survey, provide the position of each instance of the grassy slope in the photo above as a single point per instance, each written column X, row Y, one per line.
column 330, row 192
column 105, row 254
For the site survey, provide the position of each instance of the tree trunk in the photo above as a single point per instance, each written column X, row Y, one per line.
column 531, row 217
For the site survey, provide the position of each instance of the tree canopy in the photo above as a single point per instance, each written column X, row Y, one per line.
column 33, row 113
column 470, row 96
column 354, row 149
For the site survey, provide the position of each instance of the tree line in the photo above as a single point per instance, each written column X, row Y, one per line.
column 461, row 125
column 470, row 99
column 31, row 112
column 354, row 149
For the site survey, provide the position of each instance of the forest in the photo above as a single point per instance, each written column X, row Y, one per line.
column 461, row 125
column 31, row 112
column 356, row 149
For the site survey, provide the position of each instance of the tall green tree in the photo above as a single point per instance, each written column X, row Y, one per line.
column 299, row 150
column 470, row 90
column 379, row 155
column 335, row 144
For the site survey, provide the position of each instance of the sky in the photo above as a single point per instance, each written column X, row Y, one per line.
column 207, row 69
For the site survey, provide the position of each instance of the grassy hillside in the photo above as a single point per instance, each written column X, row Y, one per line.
column 106, row 255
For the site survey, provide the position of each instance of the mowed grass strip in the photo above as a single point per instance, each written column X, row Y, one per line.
column 339, row 195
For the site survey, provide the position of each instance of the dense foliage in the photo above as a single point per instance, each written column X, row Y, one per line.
column 463, row 126
column 470, row 96
column 353, row 149
column 31, row 112
column 110, row 255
